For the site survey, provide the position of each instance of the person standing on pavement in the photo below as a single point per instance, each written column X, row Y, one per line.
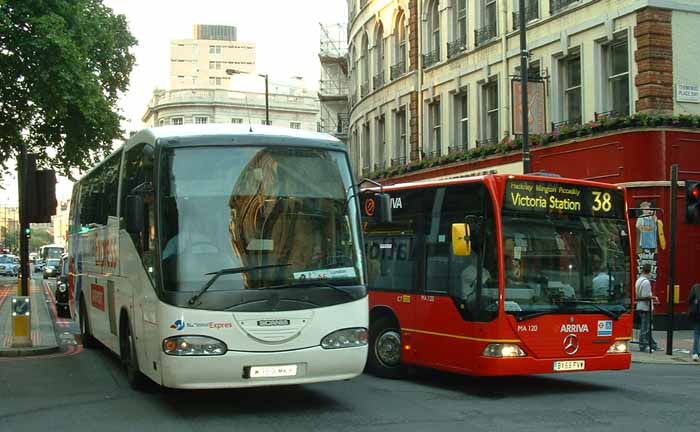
column 694, row 316
column 645, row 308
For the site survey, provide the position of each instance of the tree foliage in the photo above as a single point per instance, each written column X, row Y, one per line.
column 63, row 66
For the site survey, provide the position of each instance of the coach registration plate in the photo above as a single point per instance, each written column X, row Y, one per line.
column 272, row 371
column 569, row 365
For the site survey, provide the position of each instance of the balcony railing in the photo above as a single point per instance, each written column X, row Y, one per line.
column 486, row 142
column 485, row 34
column 571, row 122
column 364, row 89
column 457, row 46
column 397, row 70
column 379, row 165
column 532, row 12
column 399, row 161
column 556, row 5
column 432, row 154
column 378, row 80
column 343, row 123
column 431, row 58
column 606, row 115
column 459, row 148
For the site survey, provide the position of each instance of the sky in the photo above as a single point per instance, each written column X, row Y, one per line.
column 286, row 34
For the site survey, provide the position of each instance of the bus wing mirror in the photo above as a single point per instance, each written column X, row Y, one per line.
column 134, row 214
column 461, row 242
column 383, row 208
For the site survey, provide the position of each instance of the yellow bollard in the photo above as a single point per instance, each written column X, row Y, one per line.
column 21, row 322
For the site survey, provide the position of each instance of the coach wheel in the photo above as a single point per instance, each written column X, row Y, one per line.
column 385, row 349
column 136, row 379
column 85, row 332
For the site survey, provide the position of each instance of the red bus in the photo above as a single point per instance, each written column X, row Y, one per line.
column 500, row 275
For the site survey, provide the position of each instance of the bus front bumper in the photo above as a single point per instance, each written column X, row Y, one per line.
column 231, row 370
column 489, row 366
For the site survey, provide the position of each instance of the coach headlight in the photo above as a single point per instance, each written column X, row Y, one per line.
column 346, row 338
column 62, row 287
column 503, row 350
column 193, row 346
column 619, row 347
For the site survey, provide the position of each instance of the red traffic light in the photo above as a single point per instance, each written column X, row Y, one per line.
column 696, row 192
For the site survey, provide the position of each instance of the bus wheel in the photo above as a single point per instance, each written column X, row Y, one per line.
column 85, row 332
column 136, row 379
column 385, row 349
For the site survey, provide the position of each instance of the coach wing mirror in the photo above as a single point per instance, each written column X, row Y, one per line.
column 461, row 240
column 134, row 214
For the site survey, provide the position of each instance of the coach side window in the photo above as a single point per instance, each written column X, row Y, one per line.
column 110, row 184
column 395, row 251
column 138, row 180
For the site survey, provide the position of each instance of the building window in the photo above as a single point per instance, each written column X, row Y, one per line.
column 366, row 149
column 215, row 49
column 177, row 121
column 379, row 60
column 461, row 141
column 295, row 125
column 400, row 136
column 432, row 54
column 571, row 84
column 399, row 67
column 237, row 120
column 364, row 65
column 617, row 72
column 201, row 120
column 435, row 129
column 215, row 80
column 215, row 65
column 489, row 22
column 489, row 93
column 381, row 143
column 459, row 44
column 161, row 122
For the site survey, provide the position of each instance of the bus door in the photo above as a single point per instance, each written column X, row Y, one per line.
column 452, row 309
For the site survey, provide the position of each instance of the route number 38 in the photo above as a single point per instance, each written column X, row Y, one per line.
column 602, row 201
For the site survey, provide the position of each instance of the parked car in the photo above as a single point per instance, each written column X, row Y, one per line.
column 51, row 268
column 39, row 265
column 33, row 257
column 9, row 265
column 61, row 291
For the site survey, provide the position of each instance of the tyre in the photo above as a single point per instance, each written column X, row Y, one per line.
column 86, row 336
column 127, row 345
column 385, row 347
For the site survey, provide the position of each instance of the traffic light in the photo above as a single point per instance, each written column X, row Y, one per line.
column 28, row 232
column 692, row 201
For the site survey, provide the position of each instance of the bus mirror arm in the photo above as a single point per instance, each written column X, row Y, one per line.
column 134, row 214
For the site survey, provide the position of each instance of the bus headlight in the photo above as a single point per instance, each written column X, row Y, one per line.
column 62, row 287
column 503, row 350
column 346, row 338
column 619, row 347
column 193, row 346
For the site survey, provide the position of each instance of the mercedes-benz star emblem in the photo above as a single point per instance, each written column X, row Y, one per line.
column 571, row 344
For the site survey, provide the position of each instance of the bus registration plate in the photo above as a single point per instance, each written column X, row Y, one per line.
column 272, row 371
column 569, row 365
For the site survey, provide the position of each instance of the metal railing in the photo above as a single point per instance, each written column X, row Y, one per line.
column 432, row 154
column 379, row 165
column 571, row 122
column 556, row 5
column 364, row 89
column 532, row 11
column 343, row 123
column 605, row 115
column 431, row 58
column 399, row 161
column 397, row 70
column 459, row 148
column 457, row 46
column 378, row 80
column 485, row 34
column 486, row 142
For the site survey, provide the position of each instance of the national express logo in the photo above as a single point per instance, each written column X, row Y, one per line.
column 178, row 325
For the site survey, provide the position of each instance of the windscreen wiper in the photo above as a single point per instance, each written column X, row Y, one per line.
column 311, row 284
column 527, row 316
column 608, row 312
column 227, row 271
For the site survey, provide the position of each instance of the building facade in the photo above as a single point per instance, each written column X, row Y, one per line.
column 202, row 62
column 296, row 109
column 433, row 77
column 333, row 85
column 59, row 223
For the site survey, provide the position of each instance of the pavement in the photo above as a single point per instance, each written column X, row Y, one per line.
column 43, row 333
column 680, row 353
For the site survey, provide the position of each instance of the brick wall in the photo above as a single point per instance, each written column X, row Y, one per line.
column 413, row 35
column 654, row 58
column 413, row 122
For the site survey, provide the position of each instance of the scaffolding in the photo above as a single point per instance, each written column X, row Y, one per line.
column 333, row 86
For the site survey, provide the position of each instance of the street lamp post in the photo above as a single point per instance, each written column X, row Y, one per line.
column 267, row 93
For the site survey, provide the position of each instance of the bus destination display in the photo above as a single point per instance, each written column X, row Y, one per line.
column 548, row 197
